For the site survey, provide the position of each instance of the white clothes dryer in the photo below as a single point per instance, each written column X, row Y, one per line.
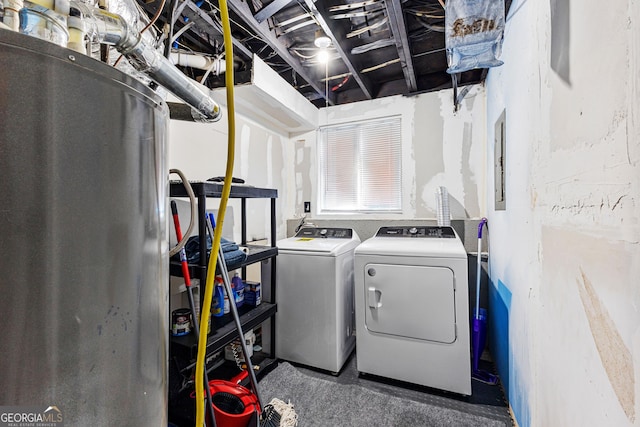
column 412, row 307
column 316, row 309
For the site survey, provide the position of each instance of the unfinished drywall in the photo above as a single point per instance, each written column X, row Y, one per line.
column 303, row 170
column 440, row 148
column 463, row 144
column 261, row 159
column 565, row 253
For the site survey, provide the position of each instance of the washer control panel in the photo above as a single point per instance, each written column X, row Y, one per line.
column 434, row 232
column 325, row 233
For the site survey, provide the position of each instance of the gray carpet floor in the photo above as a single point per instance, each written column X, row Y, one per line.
column 332, row 402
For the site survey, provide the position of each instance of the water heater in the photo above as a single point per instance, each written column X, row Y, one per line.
column 83, row 238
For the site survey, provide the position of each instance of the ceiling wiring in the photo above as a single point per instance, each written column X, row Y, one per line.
column 182, row 31
column 237, row 24
column 365, row 41
column 360, row 13
column 378, row 44
column 438, row 28
column 377, row 67
column 350, row 6
column 360, row 31
column 428, row 52
column 291, row 20
column 342, row 83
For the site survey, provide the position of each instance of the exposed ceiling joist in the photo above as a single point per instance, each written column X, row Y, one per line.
column 200, row 35
column 291, row 20
column 357, row 14
column 380, row 47
column 336, row 35
column 399, row 30
column 262, row 29
column 206, row 24
column 269, row 10
column 299, row 25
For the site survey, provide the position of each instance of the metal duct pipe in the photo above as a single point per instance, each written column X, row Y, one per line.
column 112, row 29
column 166, row 74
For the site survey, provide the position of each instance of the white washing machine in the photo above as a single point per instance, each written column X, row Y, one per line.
column 316, row 309
column 412, row 307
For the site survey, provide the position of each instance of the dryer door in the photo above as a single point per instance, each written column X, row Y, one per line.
column 410, row 301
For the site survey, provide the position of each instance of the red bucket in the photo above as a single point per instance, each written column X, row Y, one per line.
column 233, row 404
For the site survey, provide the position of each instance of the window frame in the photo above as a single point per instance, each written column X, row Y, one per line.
column 322, row 209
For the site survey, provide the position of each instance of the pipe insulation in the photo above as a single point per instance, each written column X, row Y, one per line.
column 201, row 62
column 111, row 29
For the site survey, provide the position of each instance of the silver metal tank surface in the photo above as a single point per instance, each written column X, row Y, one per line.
column 83, row 238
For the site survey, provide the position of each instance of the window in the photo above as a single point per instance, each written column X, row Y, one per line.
column 360, row 167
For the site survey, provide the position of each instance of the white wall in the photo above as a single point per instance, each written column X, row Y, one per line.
column 261, row 159
column 565, row 254
column 440, row 148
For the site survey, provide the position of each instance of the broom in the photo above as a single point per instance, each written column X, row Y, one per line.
column 187, row 283
column 277, row 413
column 480, row 323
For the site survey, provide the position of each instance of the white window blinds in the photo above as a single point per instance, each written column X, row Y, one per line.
column 360, row 167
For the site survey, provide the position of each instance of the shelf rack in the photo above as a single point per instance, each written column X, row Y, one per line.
column 223, row 329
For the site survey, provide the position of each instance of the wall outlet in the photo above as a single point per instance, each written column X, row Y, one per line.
column 307, row 207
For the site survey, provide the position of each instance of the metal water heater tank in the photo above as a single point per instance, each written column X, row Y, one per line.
column 83, row 238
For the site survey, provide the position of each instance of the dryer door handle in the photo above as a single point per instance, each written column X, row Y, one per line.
column 373, row 297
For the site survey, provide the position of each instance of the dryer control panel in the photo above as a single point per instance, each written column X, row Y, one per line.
column 418, row 231
column 325, row 233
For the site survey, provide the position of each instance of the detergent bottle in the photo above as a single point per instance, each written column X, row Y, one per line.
column 238, row 286
column 217, row 307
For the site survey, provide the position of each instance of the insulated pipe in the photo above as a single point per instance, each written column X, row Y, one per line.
column 208, row 63
column 200, row 62
column 166, row 74
column 112, row 29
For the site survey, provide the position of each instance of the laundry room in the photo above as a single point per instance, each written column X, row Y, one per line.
column 378, row 238
column 317, row 268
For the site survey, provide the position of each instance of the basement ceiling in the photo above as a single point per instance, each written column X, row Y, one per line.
column 378, row 47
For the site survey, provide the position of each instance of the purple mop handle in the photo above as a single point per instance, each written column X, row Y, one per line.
column 483, row 221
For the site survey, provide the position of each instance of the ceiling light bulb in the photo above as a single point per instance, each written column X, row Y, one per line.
column 323, row 56
column 321, row 41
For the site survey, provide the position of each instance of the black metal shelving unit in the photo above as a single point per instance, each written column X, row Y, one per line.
column 223, row 331
column 255, row 253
